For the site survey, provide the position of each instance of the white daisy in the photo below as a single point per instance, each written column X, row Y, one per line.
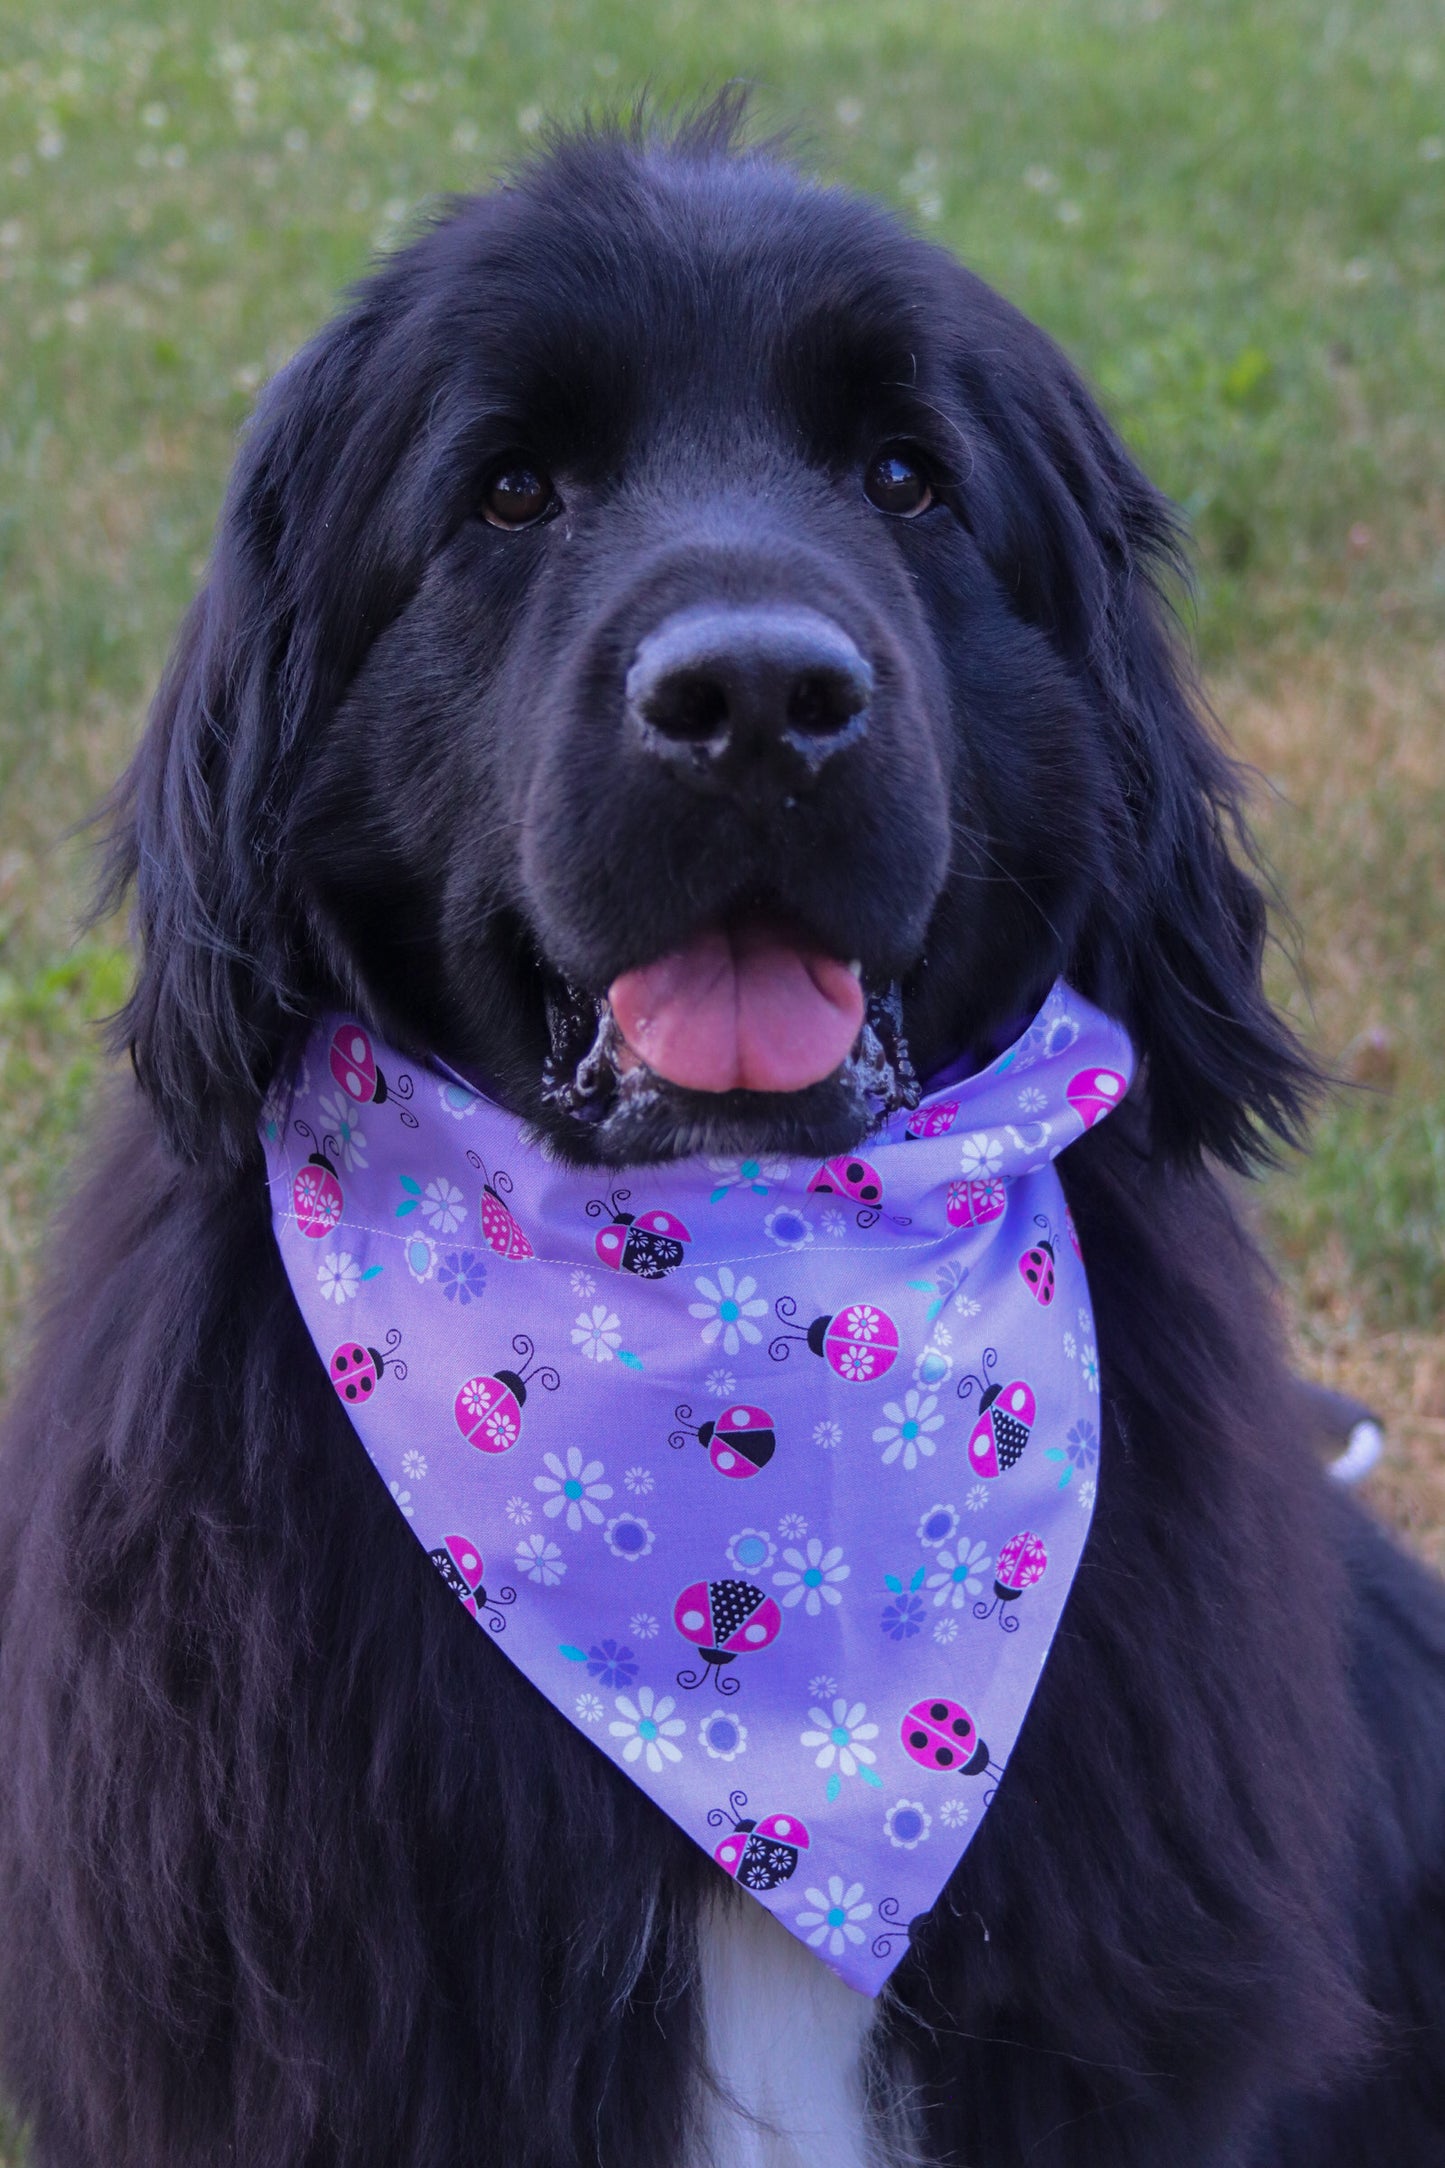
column 757, row 1175
column 598, row 1332
column 1089, row 1364
column 945, row 1629
column 403, row 1498
column 965, row 1305
column 642, row 1626
column 414, row 1465
column 977, row 1498
column 729, row 1307
column 649, row 1727
column 1032, row 1100
column 519, row 1512
column 442, row 1206
column 1071, row 1346
column 959, row 1574
column 909, row 1429
column 638, row 1480
column 583, row 1284
column 792, row 1527
column 540, row 1559
column 827, row 1434
column 339, row 1121
column 834, row 1223
column 980, row 1154
column 721, row 1384
column 823, row 1686
column 1086, row 1493
column 840, row 1737
column 589, row 1708
column 906, row 1824
column 572, row 1488
column 953, row 1813
column 339, row 1276
column 834, row 1920
column 810, row 1576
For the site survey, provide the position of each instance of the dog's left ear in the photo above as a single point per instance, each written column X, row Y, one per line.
column 1088, row 552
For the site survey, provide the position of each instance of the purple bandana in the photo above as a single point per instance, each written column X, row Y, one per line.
column 773, row 1477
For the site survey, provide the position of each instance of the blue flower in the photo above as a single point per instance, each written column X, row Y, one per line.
column 612, row 1664
column 903, row 1617
column 462, row 1277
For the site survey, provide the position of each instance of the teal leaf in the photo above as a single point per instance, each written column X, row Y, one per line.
column 372, row 1271
column 917, row 1581
column 891, row 1580
column 573, row 1656
column 1053, row 1452
column 412, row 1188
column 409, row 1206
column 625, row 1355
column 718, row 1194
column 925, row 1287
column 871, row 1776
column 933, row 1309
column 835, row 1785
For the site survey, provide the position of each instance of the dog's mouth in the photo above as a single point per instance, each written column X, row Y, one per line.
column 750, row 1028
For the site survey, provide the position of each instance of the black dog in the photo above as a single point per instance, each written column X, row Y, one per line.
column 295, row 1869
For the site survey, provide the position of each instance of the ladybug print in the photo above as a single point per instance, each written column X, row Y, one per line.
column 933, row 1121
column 740, row 1442
column 759, row 1855
column 1007, row 1414
column 1022, row 1561
column 488, row 1409
column 354, row 1067
column 974, row 1204
column 500, row 1231
column 1093, row 1093
column 356, row 1371
column 1036, row 1266
column 941, row 1735
column 854, row 1179
column 649, row 1244
column 316, row 1194
column 858, row 1342
column 724, row 1620
column 459, row 1563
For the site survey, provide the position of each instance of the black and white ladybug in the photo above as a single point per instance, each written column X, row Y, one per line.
column 459, row 1563
column 740, row 1442
column 724, row 1620
column 649, row 1244
column 759, row 1855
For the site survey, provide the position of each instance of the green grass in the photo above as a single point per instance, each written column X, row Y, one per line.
column 1233, row 215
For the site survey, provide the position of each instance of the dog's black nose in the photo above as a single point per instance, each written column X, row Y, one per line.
column 738, row 696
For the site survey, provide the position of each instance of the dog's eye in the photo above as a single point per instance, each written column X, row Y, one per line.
column 896, row 483
column 518, row 495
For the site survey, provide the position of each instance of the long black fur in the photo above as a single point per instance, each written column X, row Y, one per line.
column 295, row 1870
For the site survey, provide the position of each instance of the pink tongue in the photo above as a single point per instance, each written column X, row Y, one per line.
column 746, row 1011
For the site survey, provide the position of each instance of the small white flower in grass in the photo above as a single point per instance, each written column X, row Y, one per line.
column 339, row 1276
column 589, row 1708
column 721, row 1384
column 519, row 1512
column 642, row 1626
column 823, row 1685
column 833, row 1921
column 977, row 1497
column 403, row 1498
column 729, row 1307
column 906, row 1824
column 980, row 1154
column 792, row 1527
column 541, row 1560
column 442, row 1206
column 1086, row 1493
column 649, row 1727
column 572, row 1488
column 629, row 1536
column 638, row 1481
column 1071, row 1346
column 840, row 1737
column 722, row 1735
column 959, row 1574
column 598, row 1332
column 909, row 1430
column 339, row 1121
column 1089, row 1364
column 583, row 1284
column 945, row 1630
column 827, row 1434
column 810, row 1576
column 414, row 1465
column 953, row 1813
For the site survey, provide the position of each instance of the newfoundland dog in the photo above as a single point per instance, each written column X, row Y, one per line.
column 685, row 655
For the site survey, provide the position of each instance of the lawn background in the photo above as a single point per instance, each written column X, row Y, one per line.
column 1232, row 215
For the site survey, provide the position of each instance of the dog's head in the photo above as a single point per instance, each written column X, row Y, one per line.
column 672, row 613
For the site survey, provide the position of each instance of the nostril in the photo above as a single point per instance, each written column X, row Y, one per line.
column 823, row 702
column 688, row 705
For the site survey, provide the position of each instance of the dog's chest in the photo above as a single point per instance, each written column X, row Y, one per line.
column 786, row 2044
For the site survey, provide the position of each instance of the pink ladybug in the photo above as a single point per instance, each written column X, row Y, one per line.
column 488, row 1409
column 459, row 1563
column 933, row 1121
column 356, row 1371
column 1007, row 1414
column 649, row 1244
column 1093, row 1093
column 1073, row 1234
column 852, row 1178
column 1036, row 1266
column 500, row 1231
column 859, row 1342
column 724, row 1620
column 974, row 1204
column 740, row 1442
column 353, row 1064
column 759, row 1855
column 1022, row 1561
column 941, row 1735
column 316, row 1195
